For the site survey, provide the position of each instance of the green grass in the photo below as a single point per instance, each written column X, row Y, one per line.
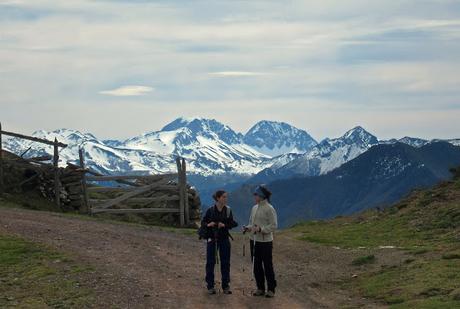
column 362, row 260
column 420, row 284
column 32, row 276
column 411, row 228
column 369, row 233
column 27, row 200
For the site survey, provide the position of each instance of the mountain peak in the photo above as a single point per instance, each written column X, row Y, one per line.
column 413, row 141
column 177, row 124
column 276, row 138
column 205, row 127
column 64, row 135
column 359, row 135
column 354, row 131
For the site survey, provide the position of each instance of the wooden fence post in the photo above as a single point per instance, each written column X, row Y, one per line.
column 184, row 180
column 181, row 193
column 86, row 207
column 57, row 184
column 2, row 184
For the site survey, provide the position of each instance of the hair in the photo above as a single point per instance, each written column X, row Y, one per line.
column 216, row 196
column 266, row 192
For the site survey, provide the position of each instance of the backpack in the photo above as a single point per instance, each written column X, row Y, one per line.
column 203, row 231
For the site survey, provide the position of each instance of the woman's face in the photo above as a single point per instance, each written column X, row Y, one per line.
column 223, row 198
column 257, row 198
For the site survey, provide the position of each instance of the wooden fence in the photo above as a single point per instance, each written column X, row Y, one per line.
column 138, row 190
column 167, row 190
column 55, row 158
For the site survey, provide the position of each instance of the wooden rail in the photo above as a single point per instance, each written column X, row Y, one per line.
column 33, row 139
column 137, row 211
column 55, row 144
column 138, row 192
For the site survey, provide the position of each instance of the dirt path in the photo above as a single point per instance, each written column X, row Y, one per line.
column 147, row 267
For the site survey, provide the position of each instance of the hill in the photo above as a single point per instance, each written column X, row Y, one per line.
column 377, row 178
column 425, row 226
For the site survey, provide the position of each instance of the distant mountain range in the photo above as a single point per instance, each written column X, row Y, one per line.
column 210, row 148
column 217, row 156
column 321, row 158
column 378, row 177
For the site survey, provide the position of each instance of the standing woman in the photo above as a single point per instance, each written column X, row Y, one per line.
column 216, row 223
column 262, row 223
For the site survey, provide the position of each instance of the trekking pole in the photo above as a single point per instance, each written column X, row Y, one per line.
column 216, row 251
column 253, row 253
column 244, row 254
column 253, row 256
column 244, row 249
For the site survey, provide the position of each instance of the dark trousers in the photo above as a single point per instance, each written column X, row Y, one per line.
column 223, row 248
column 263, row 265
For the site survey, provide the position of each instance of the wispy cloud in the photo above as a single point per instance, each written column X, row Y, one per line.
column 235, row 74
column 128, row 91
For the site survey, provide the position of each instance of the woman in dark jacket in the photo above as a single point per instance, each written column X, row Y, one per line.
column 216, row 222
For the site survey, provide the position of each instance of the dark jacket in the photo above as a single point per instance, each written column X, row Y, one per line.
column 214, row 215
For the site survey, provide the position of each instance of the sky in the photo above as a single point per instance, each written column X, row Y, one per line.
column 120, row 68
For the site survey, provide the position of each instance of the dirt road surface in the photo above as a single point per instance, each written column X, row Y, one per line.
column 150, row 267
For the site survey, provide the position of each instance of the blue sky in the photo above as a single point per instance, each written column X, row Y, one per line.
column 120, row 68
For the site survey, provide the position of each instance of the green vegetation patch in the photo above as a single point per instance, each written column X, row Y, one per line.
column 362, row 260
column 419, row 284
column 32, row 276
column 367, row 233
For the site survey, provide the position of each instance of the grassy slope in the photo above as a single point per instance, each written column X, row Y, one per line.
column 426, row 225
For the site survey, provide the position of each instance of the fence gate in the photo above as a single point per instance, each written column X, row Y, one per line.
column 139, row 191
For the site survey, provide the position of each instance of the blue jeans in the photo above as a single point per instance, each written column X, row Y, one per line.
column 223, row 248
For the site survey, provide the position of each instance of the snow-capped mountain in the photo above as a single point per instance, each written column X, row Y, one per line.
column 277, row 138
column 332, row 153
column 208, row 146
column 211, row 148
column 324, row 157
column 98, row 155
column 412, row 141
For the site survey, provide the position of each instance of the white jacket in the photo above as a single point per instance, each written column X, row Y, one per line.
column 263, row 215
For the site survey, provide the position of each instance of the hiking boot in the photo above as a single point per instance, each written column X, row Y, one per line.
column 258, row 293
column 212, row 291
column 227, row 291
column 270, row 294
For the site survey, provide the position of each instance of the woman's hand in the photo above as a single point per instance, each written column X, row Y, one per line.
column 211, row 224
column 221, row 225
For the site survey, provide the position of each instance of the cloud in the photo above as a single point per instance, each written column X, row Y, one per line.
column 235, row 74
column 363, row 56
column 128, row 91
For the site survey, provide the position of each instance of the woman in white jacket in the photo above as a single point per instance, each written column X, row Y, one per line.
column 262, row 223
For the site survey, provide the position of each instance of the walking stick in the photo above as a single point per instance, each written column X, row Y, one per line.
column 216, row 252
column 253, row 257
column 244, row 249
column 253, row 254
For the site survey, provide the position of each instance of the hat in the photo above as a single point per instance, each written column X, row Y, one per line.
column 260, row 192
